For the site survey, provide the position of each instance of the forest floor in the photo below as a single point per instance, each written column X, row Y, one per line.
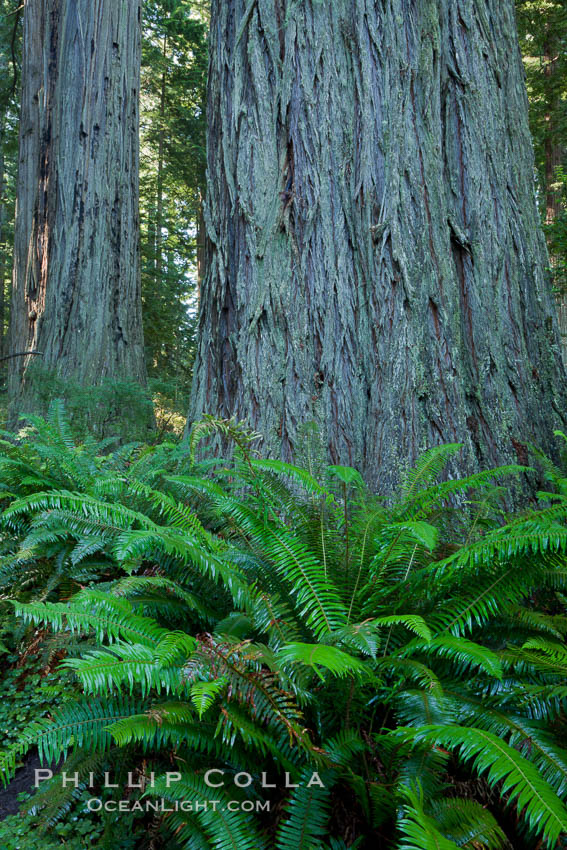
column 23, row 781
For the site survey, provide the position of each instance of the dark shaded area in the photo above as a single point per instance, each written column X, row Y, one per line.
column 23, row 781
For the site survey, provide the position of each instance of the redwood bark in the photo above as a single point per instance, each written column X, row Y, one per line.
column 201, row 248
column 375, row 258
column 76, row 285
column 3, row 239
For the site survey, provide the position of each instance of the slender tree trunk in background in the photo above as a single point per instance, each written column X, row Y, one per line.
column 375, row 260
column 151, row 237
column 159, row 206
column 553, row 159
column 76, row 287
column 171, row 274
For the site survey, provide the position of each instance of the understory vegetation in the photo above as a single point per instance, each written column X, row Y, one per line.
column 356, row 674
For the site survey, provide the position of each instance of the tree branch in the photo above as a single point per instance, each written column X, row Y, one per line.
column 22, row 354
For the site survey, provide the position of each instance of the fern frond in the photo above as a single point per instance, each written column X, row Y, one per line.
column 108, row 617
column 130, row 665
column 518, row 779
column 419, row 831
column 465, row 654
column 226, row 826
column 81, row 725
column 315, row 596
column 428, row 468
column 308, row 810
column 328, row 657
column 527, row 737
column 469, row 824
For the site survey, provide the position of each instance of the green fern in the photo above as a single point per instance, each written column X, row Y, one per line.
column 518, row 780
column 243, row 612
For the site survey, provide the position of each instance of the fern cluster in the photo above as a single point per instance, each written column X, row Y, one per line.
column 246, row 616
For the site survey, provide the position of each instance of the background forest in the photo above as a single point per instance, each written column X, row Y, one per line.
column 172, row 186
column 358, row 670
column 173, row 166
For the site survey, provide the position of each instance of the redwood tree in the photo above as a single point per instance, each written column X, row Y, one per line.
column 375, row 260
column 76, row 290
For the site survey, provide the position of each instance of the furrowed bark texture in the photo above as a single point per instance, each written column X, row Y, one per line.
column 76, row 287
column 375, row 261
column 3, row 240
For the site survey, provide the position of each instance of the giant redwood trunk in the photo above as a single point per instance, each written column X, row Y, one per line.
column 76, row 289
column 375, row 261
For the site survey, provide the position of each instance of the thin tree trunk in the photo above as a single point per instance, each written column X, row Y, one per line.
column 76, row 288
column 375, row 260
column 553, row 148
column 553, row 159
column 159, row 206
